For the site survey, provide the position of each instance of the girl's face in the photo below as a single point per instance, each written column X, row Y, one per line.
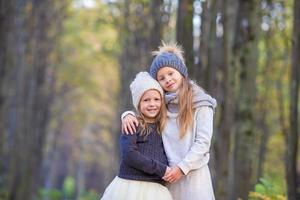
column 150, row 105
column 169, row 79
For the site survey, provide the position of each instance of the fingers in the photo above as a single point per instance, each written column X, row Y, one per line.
column 168, row 177
column 172, row 180
column 129, row 126
column 124, row 129
column 136, row 122
column 173, row 176
column 168, row 169
column 132, row 127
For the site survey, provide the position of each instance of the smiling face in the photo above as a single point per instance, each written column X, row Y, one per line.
column 150, row 105
column 169, row 79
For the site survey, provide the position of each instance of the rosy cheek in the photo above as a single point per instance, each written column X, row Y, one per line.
column 163, row 86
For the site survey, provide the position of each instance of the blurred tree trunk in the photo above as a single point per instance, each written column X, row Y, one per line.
column 292, row 136
column 14, row 62
column 26, row 88
column 51, row 156
column 226, row 103
column 281, row 108
column 212, row 40
column 202, row 53
column 245, row 50
column 156, row 29
column 6, row 19
column 261, row 119
column 81, row 168
column 140, row 39
column 184, row 34
column 31, row 102
column 264, row 138
column 207, row 66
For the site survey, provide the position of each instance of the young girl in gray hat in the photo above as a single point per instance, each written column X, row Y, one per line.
column 143, row 161
column 189, row 127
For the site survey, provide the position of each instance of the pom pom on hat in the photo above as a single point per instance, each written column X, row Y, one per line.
column 143, row 82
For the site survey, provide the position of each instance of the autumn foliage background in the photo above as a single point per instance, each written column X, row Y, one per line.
column 65, row 69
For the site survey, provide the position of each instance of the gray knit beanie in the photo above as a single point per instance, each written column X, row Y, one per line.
column 167, row 59
column 143, row 82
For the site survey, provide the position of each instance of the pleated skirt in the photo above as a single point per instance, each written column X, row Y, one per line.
column 124, row 189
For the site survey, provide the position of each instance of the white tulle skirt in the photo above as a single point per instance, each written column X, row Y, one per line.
column 123, row 189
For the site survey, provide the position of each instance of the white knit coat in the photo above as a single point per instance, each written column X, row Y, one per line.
column 191, row 154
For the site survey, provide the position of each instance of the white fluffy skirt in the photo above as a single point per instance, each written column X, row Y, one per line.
column 123, row 189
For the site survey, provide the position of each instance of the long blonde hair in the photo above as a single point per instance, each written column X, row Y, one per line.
column 160, row 119
column 186, row 110
column 185, row 92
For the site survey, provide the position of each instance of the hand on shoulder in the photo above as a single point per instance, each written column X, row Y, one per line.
column 129, row 124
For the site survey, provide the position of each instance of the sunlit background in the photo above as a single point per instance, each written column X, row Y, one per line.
column 65, row 69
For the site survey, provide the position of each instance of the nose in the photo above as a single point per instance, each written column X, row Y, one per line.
column 167, row 79
column 151, row 103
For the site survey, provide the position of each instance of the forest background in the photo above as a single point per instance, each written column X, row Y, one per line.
column 65, row 69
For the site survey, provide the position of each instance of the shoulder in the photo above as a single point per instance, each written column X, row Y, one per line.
column 196, row 87
column 204, row 111
column 129, row 137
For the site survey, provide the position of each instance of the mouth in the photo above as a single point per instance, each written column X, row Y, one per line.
column 171, row 85
column 152, row 110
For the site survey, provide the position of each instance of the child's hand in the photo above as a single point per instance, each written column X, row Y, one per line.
column 129, row 124
column 174, row 175
column 168, row 170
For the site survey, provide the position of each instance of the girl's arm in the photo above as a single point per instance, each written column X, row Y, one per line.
column 129, row 122
column 132, row 157
column 198, row 155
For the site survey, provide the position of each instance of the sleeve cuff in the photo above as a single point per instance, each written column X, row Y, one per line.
column 124, row 114
column 184, row 168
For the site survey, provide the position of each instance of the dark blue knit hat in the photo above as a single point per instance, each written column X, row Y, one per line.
column 167, row 59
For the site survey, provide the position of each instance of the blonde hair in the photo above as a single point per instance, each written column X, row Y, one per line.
column 186, row 110
column 160, row 119
column 171, row 48
column 185, row 92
